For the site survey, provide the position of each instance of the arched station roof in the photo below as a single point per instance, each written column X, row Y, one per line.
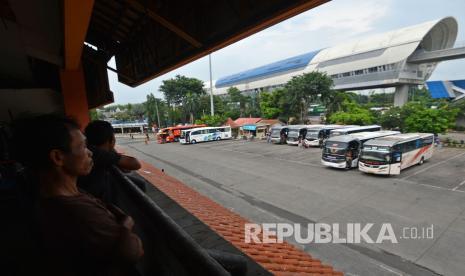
column 296, row 62
column 386, row 48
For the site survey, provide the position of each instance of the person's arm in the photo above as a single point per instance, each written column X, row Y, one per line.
column 110, row 158
column 128, row 163
column 108, row 237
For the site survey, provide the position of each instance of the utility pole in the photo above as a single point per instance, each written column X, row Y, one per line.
column 212, row 108
column 158, row 115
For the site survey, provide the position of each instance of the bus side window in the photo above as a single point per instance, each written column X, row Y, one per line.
column 427, row 141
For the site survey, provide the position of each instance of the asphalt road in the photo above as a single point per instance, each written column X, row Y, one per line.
column 281, row 183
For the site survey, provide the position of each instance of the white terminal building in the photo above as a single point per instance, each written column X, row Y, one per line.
column 399, row 59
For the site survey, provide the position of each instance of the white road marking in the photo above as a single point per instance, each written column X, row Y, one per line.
column 147, row 172
column 434, row 165
column 390, row 270
column 458, row 186
column 429, row 186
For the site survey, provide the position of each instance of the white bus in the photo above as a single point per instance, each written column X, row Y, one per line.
column 391, row 154
column 279, row 134
column 343, row 151
column 297, row 133
column 317, row 135
column 350, row 130
column 204, row 134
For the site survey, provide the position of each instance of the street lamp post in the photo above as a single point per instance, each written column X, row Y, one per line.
column 212, row 107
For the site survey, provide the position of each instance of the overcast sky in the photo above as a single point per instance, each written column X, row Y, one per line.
column 327, row 25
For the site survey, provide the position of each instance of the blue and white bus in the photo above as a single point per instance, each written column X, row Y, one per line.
column 204, row 134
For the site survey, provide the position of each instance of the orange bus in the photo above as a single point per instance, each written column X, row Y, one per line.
column 172, row 134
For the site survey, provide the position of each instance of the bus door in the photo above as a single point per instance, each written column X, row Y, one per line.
column 396, row 161
column 322, row 136
column 188, row 136
column 283, row 135
column 302, row 134
column 353, row 151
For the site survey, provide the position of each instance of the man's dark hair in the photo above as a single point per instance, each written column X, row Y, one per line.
column 35, row 137
column 99, row 132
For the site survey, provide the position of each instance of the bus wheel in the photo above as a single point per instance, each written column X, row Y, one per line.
column 193, row 142
column 218, row 138
column 422, row 160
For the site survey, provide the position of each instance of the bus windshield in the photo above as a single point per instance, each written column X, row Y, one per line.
column 312, row 133
column 183, row 134
column 276, row 132
column 335, row 148
column 336, row 133
column 293, row 133
column 377, row 154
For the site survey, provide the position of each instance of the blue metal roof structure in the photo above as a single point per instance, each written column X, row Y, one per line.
column 288, row 64
column 437, row 89
column 444, row 89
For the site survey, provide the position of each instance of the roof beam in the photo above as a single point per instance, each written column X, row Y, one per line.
column 76, row 21
column 165, row 23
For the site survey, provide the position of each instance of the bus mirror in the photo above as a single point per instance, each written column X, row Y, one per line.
column 397, row 156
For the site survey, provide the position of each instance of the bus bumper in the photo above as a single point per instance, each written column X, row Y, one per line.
column 275, row 140
column 313, row 143
column 378, row 169
column 339, row 165
column 292, row 143
column 182, row 141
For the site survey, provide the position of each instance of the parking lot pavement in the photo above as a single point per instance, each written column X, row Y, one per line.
column 280, row 183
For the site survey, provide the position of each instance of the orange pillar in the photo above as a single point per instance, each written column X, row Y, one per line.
column 73, row 88
column 76, row 18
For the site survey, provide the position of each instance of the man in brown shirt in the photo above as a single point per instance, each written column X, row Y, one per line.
column 79, row 234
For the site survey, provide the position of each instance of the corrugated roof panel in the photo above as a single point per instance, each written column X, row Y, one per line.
column 437, row 89
column 459, row 83
column 295, row 62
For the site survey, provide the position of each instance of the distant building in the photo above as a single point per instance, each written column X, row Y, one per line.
column 394, row 59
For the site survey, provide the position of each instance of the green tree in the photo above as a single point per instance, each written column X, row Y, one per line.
column 237, row 101
column 304, row 89
column 215, row 120
column 95, row 115
column 138, row 111
column 270, row 104
column 334, row 101
column 418, row 117
column 151, row 106
column 392, row 119
column 182, row 91
column 352, row 114
column 431, row 120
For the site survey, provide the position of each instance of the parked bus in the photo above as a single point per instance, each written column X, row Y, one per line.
column 350, row 130
column 317, row 135
column 391, row 154
column 172, row 134
column 279, row 134
column 343, row 151
column 204, row 134
column 298, row 132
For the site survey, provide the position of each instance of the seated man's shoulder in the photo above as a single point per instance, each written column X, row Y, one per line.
column 103, row 157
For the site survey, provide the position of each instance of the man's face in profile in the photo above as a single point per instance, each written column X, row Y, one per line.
column 79, row 160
